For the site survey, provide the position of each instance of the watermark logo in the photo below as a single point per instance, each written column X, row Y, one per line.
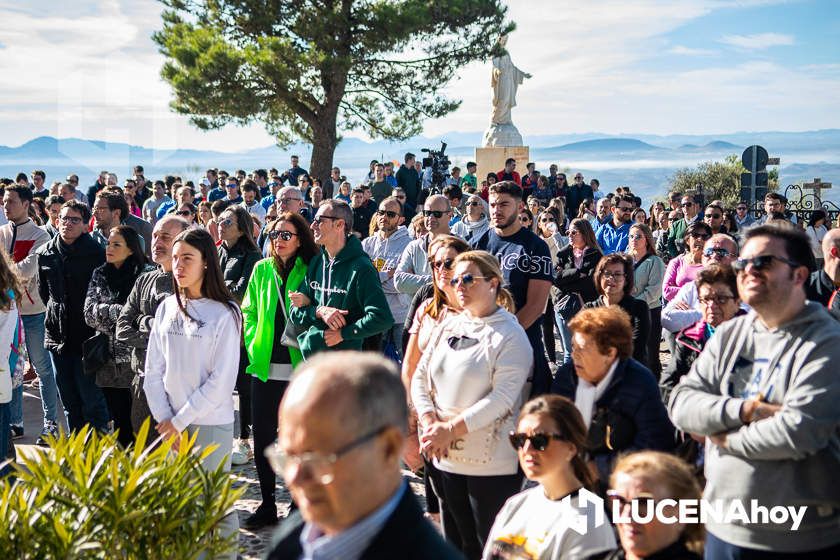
column 589, row 511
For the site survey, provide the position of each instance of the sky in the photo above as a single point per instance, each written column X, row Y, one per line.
column 89, row 69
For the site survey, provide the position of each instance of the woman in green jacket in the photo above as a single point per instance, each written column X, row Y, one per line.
column 272, row 349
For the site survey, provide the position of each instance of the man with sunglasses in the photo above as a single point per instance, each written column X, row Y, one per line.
column 413, row 271
column 340, row 302
column 713, row 216
column 614, row 235
column 690, row 210
column 527, row 268
column 743, row 218
column 342, row 430
column 576, row 193
column 825, row 282
column 764, row 393
column 385, row 247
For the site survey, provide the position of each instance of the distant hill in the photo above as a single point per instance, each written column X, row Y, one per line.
column 608, row 145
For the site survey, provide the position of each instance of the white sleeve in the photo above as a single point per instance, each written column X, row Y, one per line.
column 675, row 320
column 218, row 387
column 155, row 369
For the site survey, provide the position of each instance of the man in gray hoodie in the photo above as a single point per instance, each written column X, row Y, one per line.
column 385, row 247
column 764, row 392
column 413, row 270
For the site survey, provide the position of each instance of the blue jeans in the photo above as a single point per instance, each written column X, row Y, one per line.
column 83, row 399
column 33, row 328
column 565, row 356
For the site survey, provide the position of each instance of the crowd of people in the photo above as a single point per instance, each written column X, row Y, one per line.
column 499, row 337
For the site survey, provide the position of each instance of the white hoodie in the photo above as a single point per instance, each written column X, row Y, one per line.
column 8, row 323
column 485, row 382
column 385, row 254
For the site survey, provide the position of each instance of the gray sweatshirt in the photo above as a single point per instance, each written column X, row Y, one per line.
column 413, row 270
column 385, row 254
column 790, row 459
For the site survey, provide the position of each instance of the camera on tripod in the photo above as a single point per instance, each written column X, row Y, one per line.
column 439, row 162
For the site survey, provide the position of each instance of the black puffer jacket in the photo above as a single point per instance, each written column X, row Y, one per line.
column 570, row 279
column 135, row 321
column 237, row 264
column 64, row 273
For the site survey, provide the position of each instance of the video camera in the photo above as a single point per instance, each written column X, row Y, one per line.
column 439, row 162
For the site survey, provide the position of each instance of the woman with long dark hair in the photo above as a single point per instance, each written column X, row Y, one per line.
column 550, row 440
column 238, row 254
column 107, row 293
column 193, row 355
column 11, row 344
column 272, row 347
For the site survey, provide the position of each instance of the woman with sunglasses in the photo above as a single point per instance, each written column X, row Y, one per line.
column 574, row 282
column 639, row 481
column 193, row 355
column 204, row 214
column 475, row 223
column 187, row 211
column 526, row 218
column 617, row 396
column 107, row 293
column 467, row 389
column 271, row 343
column 684, row 268
column 648, row 275
column 550, row 440
column 238, row 254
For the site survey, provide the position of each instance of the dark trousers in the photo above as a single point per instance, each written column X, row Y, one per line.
column 654, row 341
column 83, row 399
column 473, row 503
column 548, row 331
column 119, row 405
column 140, row 408
column 265, row 401
column 717, row 549
column 5, row 440
column 243, row 389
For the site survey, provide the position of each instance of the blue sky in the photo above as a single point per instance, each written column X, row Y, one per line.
column 89, row 69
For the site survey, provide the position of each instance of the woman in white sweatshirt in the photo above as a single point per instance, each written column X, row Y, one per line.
column 11, row 342
column 193, row 354
column 467, row 390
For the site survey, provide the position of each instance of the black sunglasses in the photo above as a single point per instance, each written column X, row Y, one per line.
column 445, row 264
column 539, row 441
column 761, row 262
column 466, row 279
column 719, row 251
column 183, row 213
column 284, row 235
column 714, row 216
column 435, row 213
column 390, row 213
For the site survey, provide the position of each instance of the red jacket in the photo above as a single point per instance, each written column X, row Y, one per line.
column 516, row 179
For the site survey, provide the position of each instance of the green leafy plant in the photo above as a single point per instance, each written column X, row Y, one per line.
column 87, row 497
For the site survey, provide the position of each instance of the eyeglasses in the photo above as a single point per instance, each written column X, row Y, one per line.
column 70, row 220
column 625, row 208
column 319, row 219
column 284, row 235
column 635, row 236
column 225, row 223
column 435, row 213
column 714, row 216
column 466, row 279
column 183, row 213
column 539, row 441
column 318, row 465
column 716, row 251
column 687, row 204
column 524, row 219
column 474, row 203
column 698, row 235
column 445, row 264
column 288, row 200
column 546, row 220
column 720, row 299
column 390, row 213
column 761, row 262
column 612, row 275
column 640, row 503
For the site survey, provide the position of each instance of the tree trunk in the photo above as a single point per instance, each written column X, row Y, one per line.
column 323, row 150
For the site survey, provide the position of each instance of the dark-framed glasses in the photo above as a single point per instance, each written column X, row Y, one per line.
column 75, row 220
column 713, row 216
column 320, row 466
column 720, row 299
column 445, row 264
column 539, row 440
column 613, row 275
column 225, row 223
column 282, row 234
column 183, row 213
column 466, row 279
column 761, row 262
column 436, row 213
column 319, row 219
column 389, row 213
column 719, row 252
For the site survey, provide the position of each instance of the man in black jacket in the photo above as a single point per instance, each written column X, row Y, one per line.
column 824, row 282
column 342, row 430
column 65, row 265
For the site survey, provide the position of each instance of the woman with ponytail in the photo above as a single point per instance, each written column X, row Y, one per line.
column 550, row 439
column 467, row 389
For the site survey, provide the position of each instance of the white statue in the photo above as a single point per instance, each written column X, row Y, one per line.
column 505, row 80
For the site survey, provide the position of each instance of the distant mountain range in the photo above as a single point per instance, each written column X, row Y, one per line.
column 642, row 160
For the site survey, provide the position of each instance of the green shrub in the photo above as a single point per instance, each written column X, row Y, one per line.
column 86, row 497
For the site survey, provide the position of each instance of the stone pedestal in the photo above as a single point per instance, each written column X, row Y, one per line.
column 492, row 160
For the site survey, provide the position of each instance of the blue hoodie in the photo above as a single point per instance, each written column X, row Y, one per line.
column 613, row 239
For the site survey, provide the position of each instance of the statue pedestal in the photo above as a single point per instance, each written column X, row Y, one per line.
column 501, row 135
column 492, row 160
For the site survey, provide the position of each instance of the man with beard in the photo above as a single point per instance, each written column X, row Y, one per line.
column 527, row 268
column 764, row 393
column 614, row 235
column 137, row 316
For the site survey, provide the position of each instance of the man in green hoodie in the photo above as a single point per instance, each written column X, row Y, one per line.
column 340, row 302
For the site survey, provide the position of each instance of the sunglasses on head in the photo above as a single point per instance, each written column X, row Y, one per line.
column 466, row 279
column 390, row 213
column 282, row 234
column 539, row 441
column 761, row 262
column 436, row 213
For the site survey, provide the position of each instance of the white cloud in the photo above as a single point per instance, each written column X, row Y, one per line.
column 687, row 51
column 758, row 41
